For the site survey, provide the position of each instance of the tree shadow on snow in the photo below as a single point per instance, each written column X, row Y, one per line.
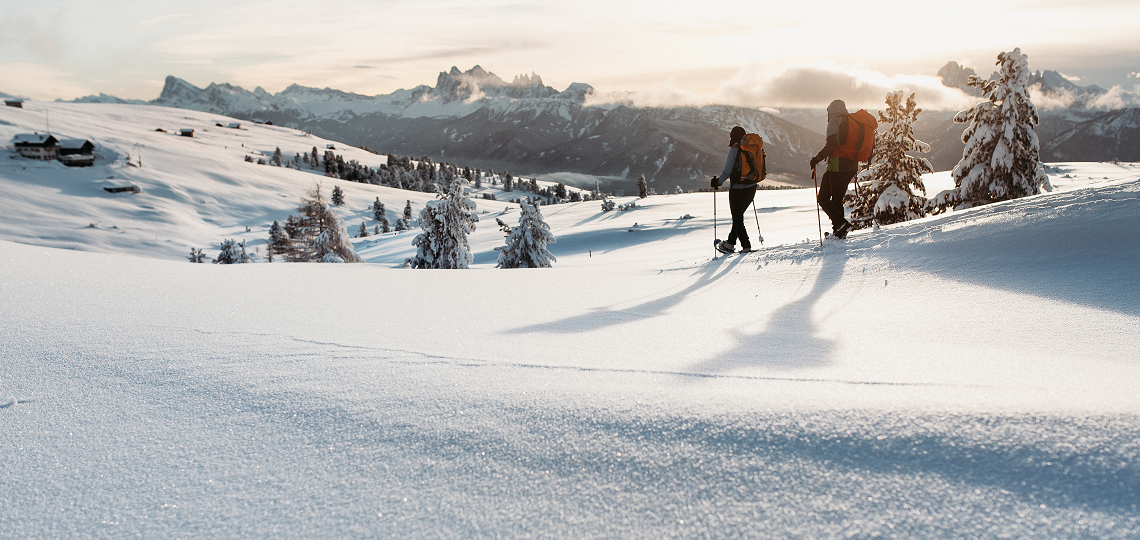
column 791, row 339
column 605, row 317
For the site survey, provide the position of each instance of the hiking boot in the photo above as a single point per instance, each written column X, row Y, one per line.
column 843, row 229
column 725, row 247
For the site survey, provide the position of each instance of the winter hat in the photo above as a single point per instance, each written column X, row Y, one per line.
column 837, row 108
column 735, row 135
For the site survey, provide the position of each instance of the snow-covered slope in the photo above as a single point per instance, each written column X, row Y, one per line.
column 971, row 375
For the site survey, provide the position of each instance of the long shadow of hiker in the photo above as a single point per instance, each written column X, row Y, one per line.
column 791, row 340
column 601, row 318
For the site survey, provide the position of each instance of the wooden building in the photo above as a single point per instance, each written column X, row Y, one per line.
column 76, row 152
column 186, row 132
column 15, row 102
column 36, row 146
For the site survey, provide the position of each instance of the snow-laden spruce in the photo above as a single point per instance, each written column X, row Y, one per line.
column 1001, row 160
column 319, row 235
column 233, row 252
column 888, row 185
column 526, row 242
column 446, row 222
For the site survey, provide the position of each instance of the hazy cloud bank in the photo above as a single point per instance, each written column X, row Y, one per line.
column 801, row 85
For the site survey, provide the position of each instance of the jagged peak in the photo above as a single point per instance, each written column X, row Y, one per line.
column 527, row 80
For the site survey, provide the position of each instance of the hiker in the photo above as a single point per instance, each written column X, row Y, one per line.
column 840, row 170
column 742, row 192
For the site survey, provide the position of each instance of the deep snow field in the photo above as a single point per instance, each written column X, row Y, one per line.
column 970, row 375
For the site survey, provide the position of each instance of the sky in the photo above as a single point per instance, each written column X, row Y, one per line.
column 667, row 52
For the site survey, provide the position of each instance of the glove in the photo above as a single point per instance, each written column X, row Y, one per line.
column 714, row 183
column 815, row 161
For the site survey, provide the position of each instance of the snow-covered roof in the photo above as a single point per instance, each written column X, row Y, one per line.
column 35, row 138
column 74, row 144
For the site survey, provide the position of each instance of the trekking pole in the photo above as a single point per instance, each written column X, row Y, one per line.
column 757, row 214
column 714, row 222
column 818, row 219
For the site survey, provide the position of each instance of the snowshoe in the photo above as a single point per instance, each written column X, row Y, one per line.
column 725, row 247
column 842, row 231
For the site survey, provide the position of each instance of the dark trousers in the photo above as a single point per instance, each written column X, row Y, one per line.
column 831, row 192
column 738, row 201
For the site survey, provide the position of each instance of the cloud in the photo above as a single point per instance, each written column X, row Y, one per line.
column 798, row 85
column 1070, row 78
column 664, row 94
column 817, row 84
column 1115, row 98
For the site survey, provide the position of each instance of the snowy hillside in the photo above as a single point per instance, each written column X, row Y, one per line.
column 969, row 375
column 522, row 126
column 195, row 192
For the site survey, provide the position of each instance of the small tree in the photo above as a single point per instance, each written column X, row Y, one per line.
column 642, row 187
column 446, row 222
column 278, row 159
column 338, row 196
column 893, row 176
column 401, row 224
column 1001, row 160
column 378, row 210
column 408, row 211
column 278, row 241
column 526, row 243
column 233, row 253
column 363, row 233
column 196, row 255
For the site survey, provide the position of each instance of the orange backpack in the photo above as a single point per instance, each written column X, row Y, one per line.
column 752, row 166
column 860, row 141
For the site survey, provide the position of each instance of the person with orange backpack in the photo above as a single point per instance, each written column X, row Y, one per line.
column 850, row 139
column 744, row 168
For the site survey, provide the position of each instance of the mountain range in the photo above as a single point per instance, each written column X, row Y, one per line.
column 477, row 119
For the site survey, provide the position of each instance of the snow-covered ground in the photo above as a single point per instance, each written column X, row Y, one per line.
column 973, row 374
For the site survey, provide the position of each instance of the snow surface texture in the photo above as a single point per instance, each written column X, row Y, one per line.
column 971, row 375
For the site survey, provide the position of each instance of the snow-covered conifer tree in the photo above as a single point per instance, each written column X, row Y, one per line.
column 885, row 192
column 363, row 233
column 1001, row 160
column 642, row 188
column 408, row 211
column 278, row 241
column 401, row 224
column 526, row 243
column 233, row 253
column 322, row 236
column 385, row 225
column 196, row 255
column 446, row 222
column 378, row 209
column 338, row 196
